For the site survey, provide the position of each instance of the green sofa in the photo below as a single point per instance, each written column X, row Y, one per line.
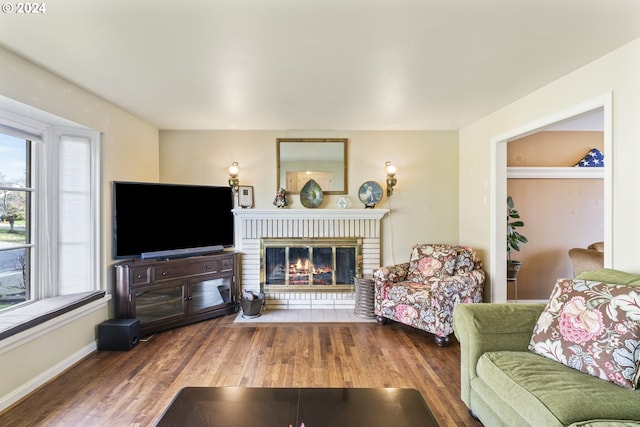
column 505, row 384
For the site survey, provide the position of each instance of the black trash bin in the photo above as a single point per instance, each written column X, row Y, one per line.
column 251, row 306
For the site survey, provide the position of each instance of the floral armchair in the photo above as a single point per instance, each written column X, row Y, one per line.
column 423, row 292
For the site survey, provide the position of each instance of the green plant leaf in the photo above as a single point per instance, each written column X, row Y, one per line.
column 514, row 238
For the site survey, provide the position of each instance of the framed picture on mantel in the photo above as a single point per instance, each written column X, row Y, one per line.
column 245, row 196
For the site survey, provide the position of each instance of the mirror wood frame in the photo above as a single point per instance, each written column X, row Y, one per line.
column 281, row 150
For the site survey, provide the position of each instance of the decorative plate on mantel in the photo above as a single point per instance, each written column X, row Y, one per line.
column 370, row 193
column 311, row 195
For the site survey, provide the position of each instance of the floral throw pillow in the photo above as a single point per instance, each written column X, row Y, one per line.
column 466, row 260
column 431, row 261
column 593, row 327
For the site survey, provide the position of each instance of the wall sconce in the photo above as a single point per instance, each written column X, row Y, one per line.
column 234, row 169
column 391, row 177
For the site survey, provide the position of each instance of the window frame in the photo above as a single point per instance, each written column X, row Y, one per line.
column 46, row 138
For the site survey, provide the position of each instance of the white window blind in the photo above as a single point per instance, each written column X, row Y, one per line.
column 76, row 245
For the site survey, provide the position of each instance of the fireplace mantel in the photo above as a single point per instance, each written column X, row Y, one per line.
column 311, row 213
column 251, row 225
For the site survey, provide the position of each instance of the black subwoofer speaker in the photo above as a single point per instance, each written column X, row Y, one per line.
column 118, row 334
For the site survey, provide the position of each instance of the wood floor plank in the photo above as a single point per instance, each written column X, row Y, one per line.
column 133, row 388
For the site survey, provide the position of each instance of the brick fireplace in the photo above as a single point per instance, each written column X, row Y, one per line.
column 329, row 228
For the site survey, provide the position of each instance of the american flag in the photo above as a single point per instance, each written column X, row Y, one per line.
column 594, row 158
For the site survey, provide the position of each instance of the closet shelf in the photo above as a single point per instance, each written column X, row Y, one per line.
column 555, row 172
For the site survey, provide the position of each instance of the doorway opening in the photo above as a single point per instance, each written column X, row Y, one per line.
column 499, row 143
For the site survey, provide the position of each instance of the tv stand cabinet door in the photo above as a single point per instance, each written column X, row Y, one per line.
column 162, row 304
column 209, row 292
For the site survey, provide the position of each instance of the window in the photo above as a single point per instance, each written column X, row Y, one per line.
column 49, row 216
column 15, row 236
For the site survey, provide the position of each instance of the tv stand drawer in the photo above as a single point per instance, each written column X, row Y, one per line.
column 202, row 267
column 226, row 264
column 170, row 271
column 141, row 275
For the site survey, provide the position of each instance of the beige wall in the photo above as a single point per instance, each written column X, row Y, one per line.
column 423, row 207
column 617, row 73
column 559, row 214
column 129, row 149
column 553, row 148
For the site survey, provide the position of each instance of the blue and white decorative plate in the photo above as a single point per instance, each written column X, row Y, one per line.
column 370, row 193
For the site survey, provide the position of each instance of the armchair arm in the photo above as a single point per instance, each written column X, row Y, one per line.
column 392, row 273
column 491, row 327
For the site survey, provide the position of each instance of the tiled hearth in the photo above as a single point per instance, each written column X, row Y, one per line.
column 252, row 225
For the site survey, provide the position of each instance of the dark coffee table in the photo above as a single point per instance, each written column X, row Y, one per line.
column 280, row 407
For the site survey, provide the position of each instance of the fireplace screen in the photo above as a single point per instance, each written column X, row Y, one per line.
column 310, row 264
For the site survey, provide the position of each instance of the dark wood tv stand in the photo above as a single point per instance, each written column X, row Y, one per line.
column 168, row 293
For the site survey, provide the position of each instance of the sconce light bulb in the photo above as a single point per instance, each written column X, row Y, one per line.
column 390, row 168
column 234, row 169
column 391, row 177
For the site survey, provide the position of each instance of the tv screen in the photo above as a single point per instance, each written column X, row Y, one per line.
column 170, row 219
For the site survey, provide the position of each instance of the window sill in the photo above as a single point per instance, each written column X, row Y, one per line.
column 23, row 318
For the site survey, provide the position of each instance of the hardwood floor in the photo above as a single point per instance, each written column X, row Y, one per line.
column 133, row 388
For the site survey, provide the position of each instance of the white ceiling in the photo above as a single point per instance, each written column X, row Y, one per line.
column 317, row 64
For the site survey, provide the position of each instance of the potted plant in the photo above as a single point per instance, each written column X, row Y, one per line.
column 514, row 239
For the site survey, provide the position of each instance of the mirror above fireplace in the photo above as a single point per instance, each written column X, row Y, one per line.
column 322, row 159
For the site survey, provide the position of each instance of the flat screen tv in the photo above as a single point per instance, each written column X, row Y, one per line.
column 152, row 220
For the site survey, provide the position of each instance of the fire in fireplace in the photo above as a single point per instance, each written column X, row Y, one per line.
column 310, row 264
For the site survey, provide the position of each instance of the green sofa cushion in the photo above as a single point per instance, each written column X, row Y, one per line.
column 609, row 275
column 540, row 389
